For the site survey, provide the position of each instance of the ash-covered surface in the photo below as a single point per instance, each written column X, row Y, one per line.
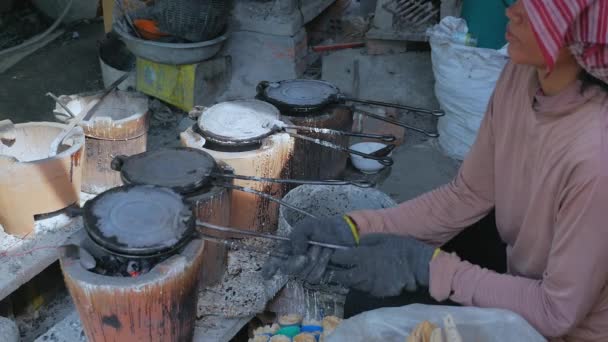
column 23, row 259
column 243, row 292
column 35, row 324
column 68, row 330
column 210, row 328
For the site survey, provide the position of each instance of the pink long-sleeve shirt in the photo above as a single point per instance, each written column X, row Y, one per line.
column 542, row 163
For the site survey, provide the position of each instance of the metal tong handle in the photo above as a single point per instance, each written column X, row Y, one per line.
column 385, row 138
column 398, row 123
column 386, row 161
column 225, row 229
column 437, row 113
column 357, row 183
column 268, row 197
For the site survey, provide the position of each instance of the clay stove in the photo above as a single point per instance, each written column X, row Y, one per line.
column 270, row 158
column 149, row 230
column 119, row 126
column 311, row 160
column 35, row 180
column 184, row 171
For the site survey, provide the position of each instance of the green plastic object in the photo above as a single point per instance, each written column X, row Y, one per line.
column 290, row 331
column 487, row 22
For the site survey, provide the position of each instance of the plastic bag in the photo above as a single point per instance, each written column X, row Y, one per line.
column 465, row 78
column 474, row 324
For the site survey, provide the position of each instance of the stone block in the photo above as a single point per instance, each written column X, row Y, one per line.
column 284, row 17
column 260, row 57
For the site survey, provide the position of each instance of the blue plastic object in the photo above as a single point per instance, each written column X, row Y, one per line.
column 487, row 22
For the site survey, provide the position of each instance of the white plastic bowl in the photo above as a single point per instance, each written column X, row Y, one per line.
column 368, row 166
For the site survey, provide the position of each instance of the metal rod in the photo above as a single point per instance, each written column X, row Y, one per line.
column 268, row 197
column 437, row 113
column 105, row 94
column 263, row 235
column 386, row 161
column 386, row 138
column 360, row 184
column 73, row 123
column 84, row 116
column 240, row 245
column 394, row 122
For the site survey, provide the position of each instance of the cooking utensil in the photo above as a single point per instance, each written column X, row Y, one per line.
column 366, row 166
column 305, row 96
column 187, row 170
column 264, row 236
column 137, row 221
column 249, row 122
column 301, row 97
column 398, row 123
column 385, row 151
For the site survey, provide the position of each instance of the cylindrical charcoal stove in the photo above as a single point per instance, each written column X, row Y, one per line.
column 311, row 160
column 140, row 278
column 183, row 171
column 249, row 136
column 271, row 159
column 35, row 180
column 119, row 126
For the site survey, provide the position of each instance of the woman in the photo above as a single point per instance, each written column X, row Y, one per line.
column 540, row 163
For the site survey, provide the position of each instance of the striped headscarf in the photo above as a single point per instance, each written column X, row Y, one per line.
column 582, row 25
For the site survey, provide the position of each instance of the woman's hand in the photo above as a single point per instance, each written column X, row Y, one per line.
column 384, row 265
column 309, row 262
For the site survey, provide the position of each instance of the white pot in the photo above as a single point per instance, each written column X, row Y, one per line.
column 368, row 166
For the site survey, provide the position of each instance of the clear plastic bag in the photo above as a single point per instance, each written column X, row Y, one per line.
column 474, row 324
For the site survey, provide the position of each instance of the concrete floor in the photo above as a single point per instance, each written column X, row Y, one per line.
column 65, row 66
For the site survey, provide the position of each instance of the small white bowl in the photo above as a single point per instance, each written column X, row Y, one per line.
column 367, row 166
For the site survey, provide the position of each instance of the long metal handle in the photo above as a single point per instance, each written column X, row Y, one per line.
column 385, row 138
column 398, row 123
column 386, row 161
column 262, row 235
column 437, row 113
column 73, row 123
column 358, row 183
column 105, row 94
column 268, row 197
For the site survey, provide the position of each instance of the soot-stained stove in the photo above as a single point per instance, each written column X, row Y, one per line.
column 270, row 157
column 140, row 277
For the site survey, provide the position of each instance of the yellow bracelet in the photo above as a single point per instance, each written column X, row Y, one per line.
column 353, row 228
column 436, row 253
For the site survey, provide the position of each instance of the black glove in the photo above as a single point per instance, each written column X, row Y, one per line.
column 309, row 262
column 384, row 264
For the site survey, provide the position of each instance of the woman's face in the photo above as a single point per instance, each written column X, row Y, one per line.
column 523, row 47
